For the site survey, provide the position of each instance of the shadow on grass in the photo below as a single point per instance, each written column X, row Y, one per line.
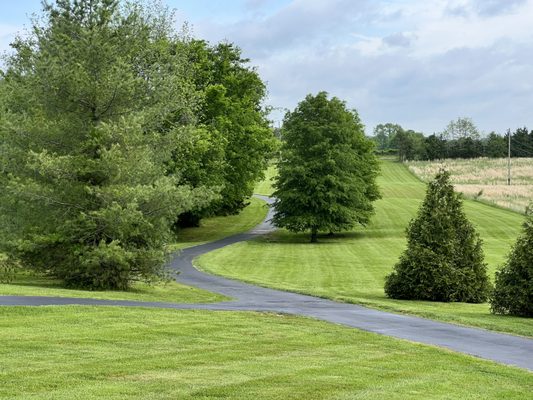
column 284, row 237
column 31, row 279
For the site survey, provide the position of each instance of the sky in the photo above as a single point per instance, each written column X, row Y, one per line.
column 417, row 63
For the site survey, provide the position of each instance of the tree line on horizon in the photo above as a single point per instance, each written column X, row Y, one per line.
column 460, row 139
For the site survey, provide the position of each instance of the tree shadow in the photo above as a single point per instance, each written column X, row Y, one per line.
column 285, row 237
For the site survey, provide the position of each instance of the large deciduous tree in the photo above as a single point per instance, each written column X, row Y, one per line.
column 384, row 135
column 327, row 169
column 232, row 110
column 461, row 128
column 88, row 186
column 513, row 292
column 443, row 260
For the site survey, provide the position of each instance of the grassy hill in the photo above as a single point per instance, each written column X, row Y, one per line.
column 352, row 266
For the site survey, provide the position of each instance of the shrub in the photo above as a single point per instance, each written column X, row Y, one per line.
column 443, row 260
column 513, row 292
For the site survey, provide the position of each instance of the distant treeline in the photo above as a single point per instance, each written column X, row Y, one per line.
column 460, row 139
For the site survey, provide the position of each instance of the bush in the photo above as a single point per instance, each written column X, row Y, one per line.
column 7, row 269
column 513, row 292
column 443, row 260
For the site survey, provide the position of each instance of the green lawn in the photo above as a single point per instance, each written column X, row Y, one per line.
column 216, row 228
column 132, row 353
column 265, row 186
column 28, row 284
column 351, row 267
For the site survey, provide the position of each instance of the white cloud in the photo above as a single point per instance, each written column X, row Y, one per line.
column 417, row 63
column 411, row 62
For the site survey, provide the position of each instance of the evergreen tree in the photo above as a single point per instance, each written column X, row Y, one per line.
column 87, row 192
column 495, row 146
column 327, row 169
column 513, row 292
column 435, row 147
column 443, row 260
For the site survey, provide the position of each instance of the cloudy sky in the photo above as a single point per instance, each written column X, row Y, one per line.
column 416, row 63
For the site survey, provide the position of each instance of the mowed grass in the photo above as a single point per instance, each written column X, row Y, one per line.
column 32, row 284
column 485, row 179
column 216, row 228
column 352, row 266
column 265, row 186
column 134, row 353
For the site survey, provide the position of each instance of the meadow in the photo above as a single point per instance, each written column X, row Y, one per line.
column 352, row 266
column 485, row 179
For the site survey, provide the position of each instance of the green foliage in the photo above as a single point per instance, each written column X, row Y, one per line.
column 7, row 269
column 85, row 151
column 410, row 145
column 443, row 260
column 496, row 146
column 513, row 292
column 232, row 111
column 461, row 128
column 385, row 134
column 327, row 169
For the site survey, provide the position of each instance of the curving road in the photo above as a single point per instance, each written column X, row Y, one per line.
column 506, row 349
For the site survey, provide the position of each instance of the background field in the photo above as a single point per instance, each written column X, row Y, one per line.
column 124, row 353
column 485, row 179
column 352, row 266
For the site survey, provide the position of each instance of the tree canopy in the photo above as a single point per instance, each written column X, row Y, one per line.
column 106, row 136
column 327, row 169
column 232, row 110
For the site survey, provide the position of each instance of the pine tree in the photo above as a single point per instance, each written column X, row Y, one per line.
column 513, row 292
column 87, row 192
column 327, row 169
column 444, row 259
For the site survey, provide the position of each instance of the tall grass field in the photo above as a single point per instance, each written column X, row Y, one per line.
column 485, row 179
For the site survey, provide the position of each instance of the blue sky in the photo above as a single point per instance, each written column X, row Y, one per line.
column 416, row 63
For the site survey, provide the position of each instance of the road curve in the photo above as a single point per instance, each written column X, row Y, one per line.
column 502, row 348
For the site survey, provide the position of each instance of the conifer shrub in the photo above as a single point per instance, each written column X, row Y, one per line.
column 513, row 292
column 444, row 260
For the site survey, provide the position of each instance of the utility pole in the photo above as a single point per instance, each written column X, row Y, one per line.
column 509, row 158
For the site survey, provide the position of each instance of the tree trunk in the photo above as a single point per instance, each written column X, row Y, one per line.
column 314, row 235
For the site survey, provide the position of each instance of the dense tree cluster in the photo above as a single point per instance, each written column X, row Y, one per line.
column 460, row 139
column 111, row 126
column 327, row 169
column 443, row 260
